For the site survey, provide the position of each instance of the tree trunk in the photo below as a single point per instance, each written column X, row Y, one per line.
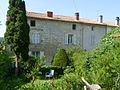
column 17, row 66
column 33, row 79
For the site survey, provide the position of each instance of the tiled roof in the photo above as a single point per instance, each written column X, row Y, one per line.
column 66, row 18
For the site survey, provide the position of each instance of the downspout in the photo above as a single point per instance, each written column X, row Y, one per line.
column 82, row 38
column 106, row 29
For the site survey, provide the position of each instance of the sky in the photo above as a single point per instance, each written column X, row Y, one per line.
column 89, row 9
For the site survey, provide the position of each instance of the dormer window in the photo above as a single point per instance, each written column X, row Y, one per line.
column 32, row 23
column 74, row 26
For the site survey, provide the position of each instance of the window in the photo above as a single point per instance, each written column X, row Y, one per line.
column 70, row 38
column 32, row 23
column 36, row 54
column 36, row 38
column 74, row 26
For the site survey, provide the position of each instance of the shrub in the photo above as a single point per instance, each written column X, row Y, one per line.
column 12, row 84
column 5, row 65
column 101, row 65
column 67, row 83
column 105, row 61
column 61, row 59
column 31, row 68
column 70, row 53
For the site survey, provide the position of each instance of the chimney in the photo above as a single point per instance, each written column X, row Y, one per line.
column 49, row 14
column 77, row 15
column 117, row 21
column 100, row 19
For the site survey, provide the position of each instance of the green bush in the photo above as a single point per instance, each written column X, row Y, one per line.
column 7, row 79
column 67, row 83
column 102, row 65
column 45, row 85
column 105, row 62
column 70, row 52
column 5, row 65
column 61, row 59
column 31, row 68
column 12, row 84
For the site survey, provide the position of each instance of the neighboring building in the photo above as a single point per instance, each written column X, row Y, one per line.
column 49, row 32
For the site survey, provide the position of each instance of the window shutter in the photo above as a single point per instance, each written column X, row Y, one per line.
column 74, row 39
column 41, row 54
column 30, row 35
column 30, row 53
column 39, row 40
column 66, row 38
column 35, row 37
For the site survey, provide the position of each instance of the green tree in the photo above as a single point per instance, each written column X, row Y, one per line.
column 105, row 62
column 61, row 59
column 5, row 63
column 17, row 31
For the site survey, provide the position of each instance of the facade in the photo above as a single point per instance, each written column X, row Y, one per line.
column 49, row 32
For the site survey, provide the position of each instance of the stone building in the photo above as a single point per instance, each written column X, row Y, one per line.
column 48, row 32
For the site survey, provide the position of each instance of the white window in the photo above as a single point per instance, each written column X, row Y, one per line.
column 70, row 39
column 35, row 37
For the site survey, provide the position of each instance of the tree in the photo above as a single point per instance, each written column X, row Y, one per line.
column 5, row 63
column 17, row 31
column 101, row 65
column 61, row 59
column 105, row 61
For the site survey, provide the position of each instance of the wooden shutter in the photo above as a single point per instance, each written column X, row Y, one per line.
column 66, row 38
column 74, row 39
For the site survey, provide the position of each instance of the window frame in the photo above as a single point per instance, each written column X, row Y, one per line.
column 70, row 38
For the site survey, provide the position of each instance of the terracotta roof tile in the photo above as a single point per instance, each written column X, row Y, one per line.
column 66, row 18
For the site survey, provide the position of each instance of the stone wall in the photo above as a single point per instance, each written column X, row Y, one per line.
column 53, row 35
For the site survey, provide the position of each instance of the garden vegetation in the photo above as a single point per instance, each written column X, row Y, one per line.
column 100, row 66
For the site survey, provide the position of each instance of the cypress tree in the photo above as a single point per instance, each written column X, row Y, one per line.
column 25, row 35
column 60, row 59
column 17, row 31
